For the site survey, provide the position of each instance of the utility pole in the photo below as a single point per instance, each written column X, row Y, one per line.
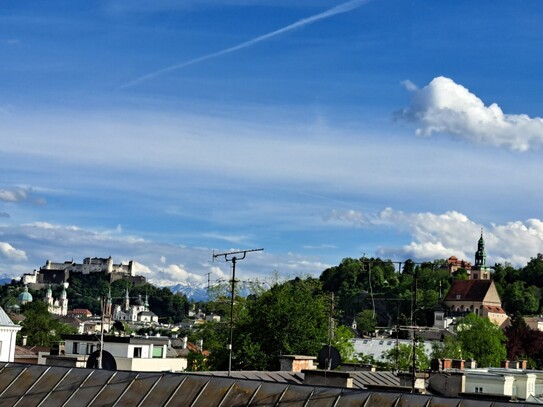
column 231, row 257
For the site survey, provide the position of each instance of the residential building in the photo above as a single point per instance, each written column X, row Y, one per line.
column 134, row 353
column 512, row 381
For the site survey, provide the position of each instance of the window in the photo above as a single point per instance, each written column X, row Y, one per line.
column 137, row 352
column 75, row 348
column 458, row 296
column 90, row 348
column 157, row 352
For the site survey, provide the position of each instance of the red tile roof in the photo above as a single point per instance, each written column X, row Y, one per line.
column 468, row 290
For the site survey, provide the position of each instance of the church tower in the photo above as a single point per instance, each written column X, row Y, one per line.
column 480, row 270
column 63, row 302
column 126, row 300
column 107, row 306
column 49, row 298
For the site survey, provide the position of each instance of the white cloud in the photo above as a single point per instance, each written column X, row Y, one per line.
column 444, row 106
column 11, row 253
column 437, row 236
column 14, row 195
column 175, row 274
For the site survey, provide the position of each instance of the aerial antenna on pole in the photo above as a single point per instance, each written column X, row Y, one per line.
column 233, row 258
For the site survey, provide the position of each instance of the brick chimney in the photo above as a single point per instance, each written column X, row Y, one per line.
column 505, row 364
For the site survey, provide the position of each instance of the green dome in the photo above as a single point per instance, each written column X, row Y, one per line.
column 25, row 296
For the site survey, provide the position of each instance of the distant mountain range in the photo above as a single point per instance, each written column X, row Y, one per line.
column 192, row 292
column 199, row 292
column 5, row 279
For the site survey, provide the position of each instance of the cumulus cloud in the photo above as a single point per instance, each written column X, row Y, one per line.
column 444, row 106
column 14, row 195
column 176, row 274
column 19, row 194
column 436, row 236
column 11, row 253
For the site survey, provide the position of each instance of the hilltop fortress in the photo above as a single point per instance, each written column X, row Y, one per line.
column 59, row 273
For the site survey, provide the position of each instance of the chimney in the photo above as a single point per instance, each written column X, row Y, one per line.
column 458, row 364
column 25, row 338
column 332, row 378
column 524, row 364
column 201, row 344
column 296, row 363
column 471, row 364
column 505, row 364
column 446, row 363
column 185, row 340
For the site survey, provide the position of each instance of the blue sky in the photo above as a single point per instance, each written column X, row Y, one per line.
column 160, row 131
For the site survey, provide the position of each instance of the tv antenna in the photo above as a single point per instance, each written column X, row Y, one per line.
column 233, row 258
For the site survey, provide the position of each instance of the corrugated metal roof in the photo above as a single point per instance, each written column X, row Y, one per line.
column 52, row 386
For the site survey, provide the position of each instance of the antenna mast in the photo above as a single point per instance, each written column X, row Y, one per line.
column 231, row 257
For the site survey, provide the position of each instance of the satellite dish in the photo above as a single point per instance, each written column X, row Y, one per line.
column 108, row 361
column 329, row 358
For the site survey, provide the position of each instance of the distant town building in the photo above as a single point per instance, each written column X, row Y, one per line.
column 57, row 306
column 58, row 273
column 138, row 311
column 454, row 264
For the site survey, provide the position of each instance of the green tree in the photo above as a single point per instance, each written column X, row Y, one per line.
column 40, row 327
column 290, row 318
column 481, row 340
column 343, row 343
column 365, row 322
column 518, row 298
column 450, row 348
column 401, row 357
column 533, row 272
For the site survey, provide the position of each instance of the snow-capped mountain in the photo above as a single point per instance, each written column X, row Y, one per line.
column 201, row 293
column 192, row 292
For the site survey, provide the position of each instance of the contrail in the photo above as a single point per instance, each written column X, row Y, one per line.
column 341, row 8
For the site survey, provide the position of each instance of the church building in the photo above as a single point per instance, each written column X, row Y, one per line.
column 478, row 294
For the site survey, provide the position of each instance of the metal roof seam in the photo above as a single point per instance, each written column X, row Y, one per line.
column 13, row 381
column 200, row 393
column 227, row 393
column 102, row 389
column 81, row 385
column 175, row 391
column 31, row 387
column 126, row 389
column 338, row 397
column 282, row 395
column 54, row 387
column 309, row 398
column 150, row 391
column 254, row 395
